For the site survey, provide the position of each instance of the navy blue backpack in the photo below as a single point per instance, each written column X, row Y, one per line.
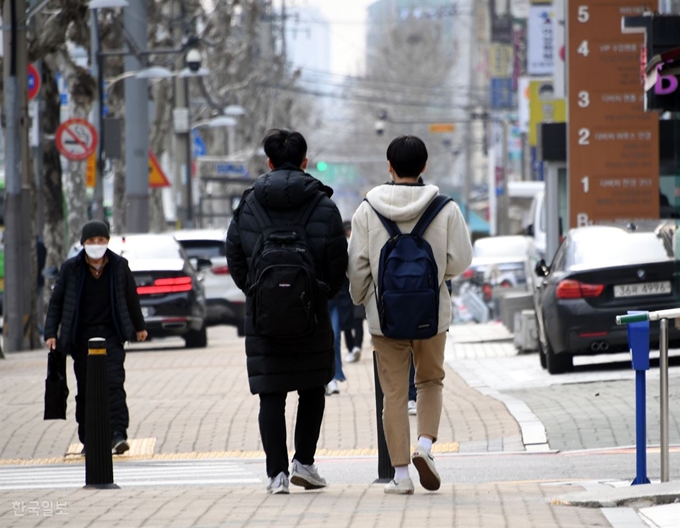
column 408, row 280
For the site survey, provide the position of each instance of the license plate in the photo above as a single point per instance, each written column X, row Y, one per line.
column 145, row 311
column 644, row 288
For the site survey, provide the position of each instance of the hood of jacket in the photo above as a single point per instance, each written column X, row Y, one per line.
column 402, row 202
column 287, row 188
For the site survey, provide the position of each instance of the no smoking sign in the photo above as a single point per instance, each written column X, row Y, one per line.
column 76, row 139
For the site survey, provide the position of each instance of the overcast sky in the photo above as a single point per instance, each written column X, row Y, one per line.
column 348, row 31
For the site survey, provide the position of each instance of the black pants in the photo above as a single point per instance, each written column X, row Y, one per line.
column 115, row 355
column 354, row 336
column 311, row 405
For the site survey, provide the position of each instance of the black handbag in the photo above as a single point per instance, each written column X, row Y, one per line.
column 56, row 388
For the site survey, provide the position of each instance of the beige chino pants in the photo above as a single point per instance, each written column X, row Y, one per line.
column 394, row 362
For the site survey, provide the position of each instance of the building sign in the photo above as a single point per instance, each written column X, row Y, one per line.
column 613, row 145
column 501, row 93
column 543, row 107
column 540, row 59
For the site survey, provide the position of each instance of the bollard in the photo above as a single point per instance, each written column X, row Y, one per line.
column 638, row 341
column 98, row 458
column 385, row 469
column 663, row 379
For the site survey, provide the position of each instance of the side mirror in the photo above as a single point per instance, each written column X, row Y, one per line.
column 199, row 264
column 541, row 268
column 530, row 230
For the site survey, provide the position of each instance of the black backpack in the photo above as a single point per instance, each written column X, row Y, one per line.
column 282, row 276
column 408, row 280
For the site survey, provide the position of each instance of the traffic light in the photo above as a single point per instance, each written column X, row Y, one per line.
column 322, row 166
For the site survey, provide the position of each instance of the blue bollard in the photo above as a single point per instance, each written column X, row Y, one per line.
column 638, row 343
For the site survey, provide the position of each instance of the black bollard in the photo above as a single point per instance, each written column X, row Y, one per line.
column 98, row 456
column 385, row 469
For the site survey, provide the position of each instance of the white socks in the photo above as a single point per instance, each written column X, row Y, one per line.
column 400, row 473
column 426, row 443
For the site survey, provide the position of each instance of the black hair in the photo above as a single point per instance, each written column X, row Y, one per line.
column 281, row 146
column 408, row 156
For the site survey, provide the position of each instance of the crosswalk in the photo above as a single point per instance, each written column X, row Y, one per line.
column 128, row 474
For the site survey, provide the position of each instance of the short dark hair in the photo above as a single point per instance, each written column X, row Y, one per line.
column 408, row 156
column 281, row 146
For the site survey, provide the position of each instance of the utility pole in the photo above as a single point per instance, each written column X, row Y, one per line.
column 18, row 232
column 182, row 125
column 97, row 112
column 467, row 177
column 136, row 123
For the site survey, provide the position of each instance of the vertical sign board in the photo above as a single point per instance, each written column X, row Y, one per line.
column 613, row 145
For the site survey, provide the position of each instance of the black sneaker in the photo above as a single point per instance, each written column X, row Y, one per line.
column 119, row 445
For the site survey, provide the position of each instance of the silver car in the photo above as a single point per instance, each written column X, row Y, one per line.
column 226, row 303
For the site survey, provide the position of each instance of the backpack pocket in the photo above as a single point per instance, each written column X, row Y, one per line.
column 409, row 314
column 283, row 305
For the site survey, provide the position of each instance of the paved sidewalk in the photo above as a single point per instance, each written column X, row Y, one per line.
column 188, row 404
column 197, row 402
column 352, row 506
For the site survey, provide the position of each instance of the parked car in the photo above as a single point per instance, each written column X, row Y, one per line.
column 226, row 303
column 170, row 290
column 598, row 273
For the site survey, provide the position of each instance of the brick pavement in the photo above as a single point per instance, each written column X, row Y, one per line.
column 593, row 415
column 197, row 401
column 524, row 505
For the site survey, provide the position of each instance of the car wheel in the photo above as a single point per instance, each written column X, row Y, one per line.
column 557, row 363
column 241, row 328
column 197, row 338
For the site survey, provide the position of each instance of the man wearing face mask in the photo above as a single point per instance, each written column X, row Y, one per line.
column 96, row 296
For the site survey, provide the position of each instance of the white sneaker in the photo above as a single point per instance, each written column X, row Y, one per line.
column 306, row 476
column 332, row 388
column 412, row 408
column 278, row 484
column 356, row 351
column 424, row 464
column 401, row 487
column 350, row 357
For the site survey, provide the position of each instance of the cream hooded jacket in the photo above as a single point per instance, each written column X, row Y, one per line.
column 404, row 204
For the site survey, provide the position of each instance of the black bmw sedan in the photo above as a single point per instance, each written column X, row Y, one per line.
column 171, row 293
column 600, row 272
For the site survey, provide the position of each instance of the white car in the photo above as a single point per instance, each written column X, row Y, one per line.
column 226, row 303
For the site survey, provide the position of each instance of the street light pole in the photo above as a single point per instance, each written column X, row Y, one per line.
column 182, row 127
column 98, row 112
column 136, row 124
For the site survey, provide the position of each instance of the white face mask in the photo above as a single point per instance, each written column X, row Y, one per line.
column 95, row 251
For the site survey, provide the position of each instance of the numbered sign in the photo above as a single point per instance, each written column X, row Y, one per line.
column 76, row 139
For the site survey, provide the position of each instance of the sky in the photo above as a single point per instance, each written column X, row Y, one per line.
column 348, row 32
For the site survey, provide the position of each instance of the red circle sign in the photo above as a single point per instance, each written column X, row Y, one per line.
column 76, row 139
column 33, row 82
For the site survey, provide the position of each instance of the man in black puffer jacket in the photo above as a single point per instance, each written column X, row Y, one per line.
column 305, row 364
column 96, row 296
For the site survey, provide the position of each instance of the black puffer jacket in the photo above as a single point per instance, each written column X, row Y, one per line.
column 62, row 313
column 287, row 365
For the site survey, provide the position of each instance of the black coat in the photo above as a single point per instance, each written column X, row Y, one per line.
column 62, row 313
column 278, row 365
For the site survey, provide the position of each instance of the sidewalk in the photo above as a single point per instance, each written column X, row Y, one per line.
column 195, row 404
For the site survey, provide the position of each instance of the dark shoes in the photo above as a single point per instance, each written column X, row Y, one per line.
column 119, row 444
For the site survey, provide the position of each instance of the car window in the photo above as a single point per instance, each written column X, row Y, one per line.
column 204, row 248
column 147, row 248
column 500, row 247
column 616, row 250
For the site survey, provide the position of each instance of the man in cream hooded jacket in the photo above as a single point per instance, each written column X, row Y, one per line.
column 404, row 200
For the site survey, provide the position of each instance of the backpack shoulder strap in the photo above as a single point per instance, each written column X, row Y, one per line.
column 432, row 210
column 303, row 216
column 260, row 214
column 391, row 226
